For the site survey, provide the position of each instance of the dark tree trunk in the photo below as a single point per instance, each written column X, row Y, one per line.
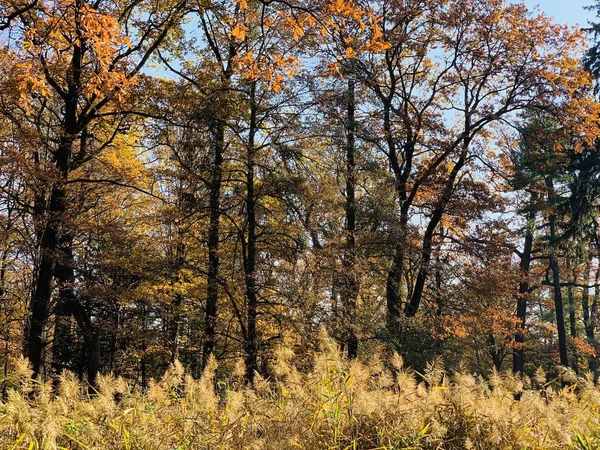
column 175, row 328
column 3, row 261
column 560, row 314
column 593, row 320
column 62, row 345
column 144, row 349
column 571, row 301
column 53, row 217
column 114, row 337
column 589, row 313
column 143, row 373
column 179, row 259
column 212, row 289
column 42, row 291
column 65, row 277
column 573, row 318
column 524, row 291
column 439, row 294
column 402, row 170
column 350, row 282
column 426, row 250
column 495, row 352
column 70, row 304
column 250, row 344
column 558, row 299
column 396, row 271
column 218, row 127
column 90, row 338
column 393, row 288
column 62, row 342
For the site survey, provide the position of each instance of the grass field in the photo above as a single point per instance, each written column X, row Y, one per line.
column 334, row 405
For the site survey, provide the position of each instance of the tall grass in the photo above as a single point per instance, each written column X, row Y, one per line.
column 336, row 404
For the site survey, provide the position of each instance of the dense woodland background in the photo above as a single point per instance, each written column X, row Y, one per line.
column 186, row 178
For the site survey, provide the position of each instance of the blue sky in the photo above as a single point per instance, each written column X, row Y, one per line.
column 565, row 11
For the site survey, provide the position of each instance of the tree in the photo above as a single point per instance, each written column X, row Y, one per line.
column 451, row 71
column 73, row 72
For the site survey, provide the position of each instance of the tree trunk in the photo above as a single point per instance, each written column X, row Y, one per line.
column 589, row 314
column 179, row 259
column 558, row 300
column 350, row 282
column 393, row 288
column 212, row 289
column 573, row 320
column 571, row 301
column 524, row 291
column 572, row 317
column 53, row 217
column 67, row 300
column 250, row 344
column 114, row 337
column 5, row 357
column 495, row 353
column 90, row 338
column 560, row 315
column 413, row 305
column 401, row 175
column 65, row 277
column 42, row 291
column 5, row 253
column 175, row 328
column 62, row 345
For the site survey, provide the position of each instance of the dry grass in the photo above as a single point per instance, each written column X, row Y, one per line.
column 337, row 405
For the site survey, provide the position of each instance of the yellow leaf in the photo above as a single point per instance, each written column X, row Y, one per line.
column 239, row 32
column 298, row 32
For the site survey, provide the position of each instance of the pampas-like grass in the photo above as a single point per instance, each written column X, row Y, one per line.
column 338, row 404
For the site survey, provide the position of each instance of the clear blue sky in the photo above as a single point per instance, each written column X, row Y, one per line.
column 565, row 11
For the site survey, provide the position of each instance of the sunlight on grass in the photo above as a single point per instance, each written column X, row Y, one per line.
column 337, row 404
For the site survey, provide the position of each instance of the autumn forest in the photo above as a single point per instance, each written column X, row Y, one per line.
column 202, row 186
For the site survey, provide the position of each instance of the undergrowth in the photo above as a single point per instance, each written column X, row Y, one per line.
column 337, row 404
